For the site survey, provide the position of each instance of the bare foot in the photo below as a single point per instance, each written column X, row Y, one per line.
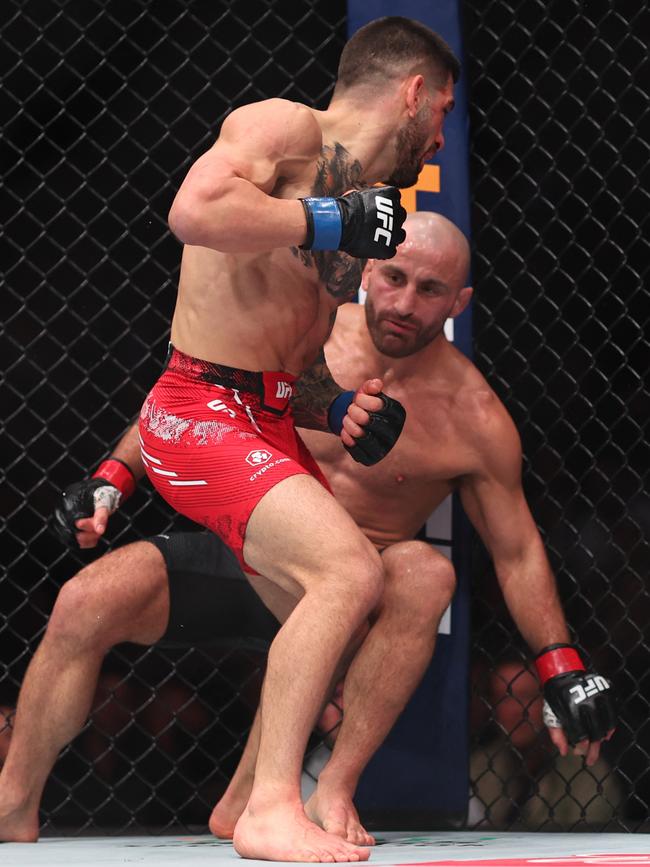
column 18, row 825
column 336, row 813
column 284, row 833
column 225, row 815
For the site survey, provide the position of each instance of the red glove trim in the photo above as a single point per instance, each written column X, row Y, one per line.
column 558, row 660
column 116, row 472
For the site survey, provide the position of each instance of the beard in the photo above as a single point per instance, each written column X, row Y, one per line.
column 411, row 143
column 398, row 345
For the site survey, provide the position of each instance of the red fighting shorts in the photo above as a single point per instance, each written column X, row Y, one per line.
column 216, row 439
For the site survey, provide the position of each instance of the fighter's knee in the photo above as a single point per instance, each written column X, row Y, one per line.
column 438, row 581
column 123, row 596
column 369, row 581
column 358, row 580
column 78, row 616
column 419, row 581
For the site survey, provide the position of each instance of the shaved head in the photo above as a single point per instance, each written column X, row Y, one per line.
column 410, row 296
column 438, row 237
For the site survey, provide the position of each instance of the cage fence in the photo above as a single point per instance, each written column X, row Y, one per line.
column 106, row 104
column 559, row 118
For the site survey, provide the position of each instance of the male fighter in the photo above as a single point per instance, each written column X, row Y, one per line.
column 189, row 588
column 458, row 436
column 277, row 219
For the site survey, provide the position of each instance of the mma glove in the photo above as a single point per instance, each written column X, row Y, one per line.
column 381, row 432
column 579, row 701
column 111, row 485
column 367, row 224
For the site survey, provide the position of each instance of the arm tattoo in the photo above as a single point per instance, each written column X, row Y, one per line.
column 313, row 393
column 336, row 173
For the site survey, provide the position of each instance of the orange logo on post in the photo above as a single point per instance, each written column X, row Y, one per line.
column 428, row 182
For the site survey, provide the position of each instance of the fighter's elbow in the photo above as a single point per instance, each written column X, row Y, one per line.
column 184, row 220
column 201, row 218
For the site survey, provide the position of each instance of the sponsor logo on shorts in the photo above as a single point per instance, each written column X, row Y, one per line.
column 385, row 217
column 258, row 456
column 262, row 470
column 220, row 406
column 284, row 391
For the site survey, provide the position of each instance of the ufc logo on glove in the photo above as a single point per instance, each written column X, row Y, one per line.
column 579, row 701
column 592, row 686
column 385, row 216
column 350, row 223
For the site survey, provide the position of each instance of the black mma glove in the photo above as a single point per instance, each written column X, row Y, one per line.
column 381, row 432
column 367, row 224
column 111, row 485
column 579, row 701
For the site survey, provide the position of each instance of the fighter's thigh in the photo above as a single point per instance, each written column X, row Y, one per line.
column 418, row 575
column 122, row 596
column 298, row 536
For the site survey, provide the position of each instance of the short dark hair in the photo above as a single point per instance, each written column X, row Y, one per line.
column 392, row 41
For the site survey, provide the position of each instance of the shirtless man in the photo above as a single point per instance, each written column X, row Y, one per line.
column 189, row 588
column 277, row 219
column 458, row 437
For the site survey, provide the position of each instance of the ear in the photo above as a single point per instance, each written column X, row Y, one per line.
column 461, row 302
column 366, row 274
column 414, row 94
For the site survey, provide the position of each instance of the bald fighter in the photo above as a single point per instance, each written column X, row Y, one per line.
column 189, row 588
column 458, row 437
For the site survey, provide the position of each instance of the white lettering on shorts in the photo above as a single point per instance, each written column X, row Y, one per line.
column 220, row 406
column 266, row 467
column 385, row 217
column 284, row 390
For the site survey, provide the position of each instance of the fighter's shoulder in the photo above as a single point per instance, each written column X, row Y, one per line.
column 290, row 128
column 349, row 321
column 486, row 424
column 350, row 315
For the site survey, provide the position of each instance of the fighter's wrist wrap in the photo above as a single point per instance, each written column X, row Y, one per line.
column 338, row 410
column 557, row 659
column 580, row 702
column 365, row 224
column 324, row 223
column 111, row 484
column 118, row 474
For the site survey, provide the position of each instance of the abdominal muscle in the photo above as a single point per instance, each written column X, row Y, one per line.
column 393, row 517
column 263, row 311
column 390, row 501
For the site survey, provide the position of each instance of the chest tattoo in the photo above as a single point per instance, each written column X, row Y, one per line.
column 336, row 173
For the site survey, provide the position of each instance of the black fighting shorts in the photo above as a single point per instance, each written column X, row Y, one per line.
column 210, row 599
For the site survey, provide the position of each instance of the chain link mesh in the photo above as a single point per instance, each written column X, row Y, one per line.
column 106, row 105
column 559, row 115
